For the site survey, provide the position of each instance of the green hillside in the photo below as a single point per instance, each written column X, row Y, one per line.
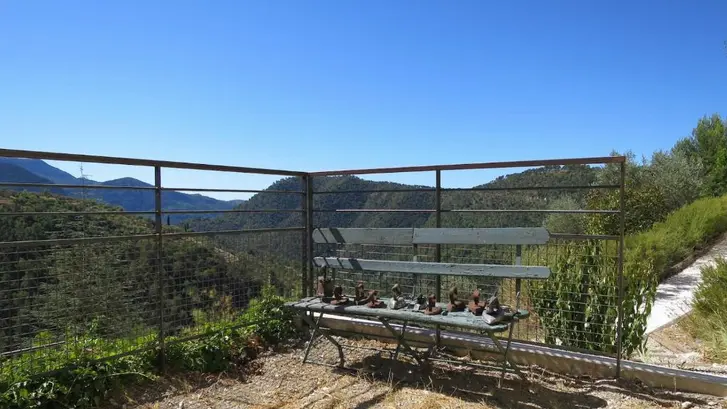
column 48, row 288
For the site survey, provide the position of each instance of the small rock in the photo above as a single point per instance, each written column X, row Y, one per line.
column 686, row 404
column 181, row 405
column 712, row 403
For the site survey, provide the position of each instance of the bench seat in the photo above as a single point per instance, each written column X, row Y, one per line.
column 462, row 319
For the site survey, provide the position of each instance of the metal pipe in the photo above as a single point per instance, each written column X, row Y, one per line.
column 79, row 240
column 438, row 224
column 465, row 211
column 469, row 189
column 64, row 186
column 472, row 166
column 232, row 211
column 232, row 232
column 17, row 153
column 159, row 261
column 85, row 213
column 309, row 231
column 190, row 189
column 622, row 230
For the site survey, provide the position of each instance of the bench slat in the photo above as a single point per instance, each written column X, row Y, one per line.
column 383, row 236
column 414, row 267
column 459, row 320
column 507, row 235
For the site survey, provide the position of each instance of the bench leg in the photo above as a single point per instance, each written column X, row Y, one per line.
column 315, row 324
column 506, row 360
column 401, row 341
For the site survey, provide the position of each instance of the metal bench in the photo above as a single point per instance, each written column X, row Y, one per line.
column 411, row 313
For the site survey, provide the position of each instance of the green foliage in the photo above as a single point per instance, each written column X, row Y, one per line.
column 644, row 205
column 711, row 295
column 571, row 223
column 683, row 232
column 83, row 381
column 577, row 304
column 708, row 321
column 708, row 144
column 268, row 319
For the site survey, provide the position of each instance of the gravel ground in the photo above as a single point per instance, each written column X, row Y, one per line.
column 280, row 380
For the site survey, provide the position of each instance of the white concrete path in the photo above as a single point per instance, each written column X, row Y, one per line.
column 674, row 296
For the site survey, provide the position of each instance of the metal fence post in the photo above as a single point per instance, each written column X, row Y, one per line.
column 309, row 234
column 622, row 229
column 438, row 220
column 159, row 261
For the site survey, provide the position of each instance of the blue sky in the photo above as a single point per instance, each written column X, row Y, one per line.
column 318, row 84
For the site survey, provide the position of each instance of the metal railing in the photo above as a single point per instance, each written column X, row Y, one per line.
column 144, row 282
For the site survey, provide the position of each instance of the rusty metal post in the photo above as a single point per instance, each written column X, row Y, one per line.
column 622, row 229
column 308, row 235
column 159, row 261
column 438, row 220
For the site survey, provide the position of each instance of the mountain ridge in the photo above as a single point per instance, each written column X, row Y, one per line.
column 39, row 171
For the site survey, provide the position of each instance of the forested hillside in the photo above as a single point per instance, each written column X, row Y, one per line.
column 49, row 287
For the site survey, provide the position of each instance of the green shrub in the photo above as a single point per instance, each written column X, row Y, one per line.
column 577, row 305
column 268, row 319
column 85, row 379
column 708, row 321
column 690, row 228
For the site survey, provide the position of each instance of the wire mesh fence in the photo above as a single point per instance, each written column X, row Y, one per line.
column 82, row 277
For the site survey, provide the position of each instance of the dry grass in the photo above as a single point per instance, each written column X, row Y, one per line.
column 282, row 381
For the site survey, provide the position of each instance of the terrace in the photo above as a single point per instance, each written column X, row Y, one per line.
column 159, row 281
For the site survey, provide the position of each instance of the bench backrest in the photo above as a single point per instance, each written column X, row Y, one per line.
column 415, row 236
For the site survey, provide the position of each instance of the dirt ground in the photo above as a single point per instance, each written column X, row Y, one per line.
column 281, row 380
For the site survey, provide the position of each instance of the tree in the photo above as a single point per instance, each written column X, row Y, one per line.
column 708, row 144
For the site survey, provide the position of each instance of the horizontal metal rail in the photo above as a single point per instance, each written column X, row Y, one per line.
column 234, row 232
column 474, row 166
column 232, row 211
column 575, row 211
column 189, row 189
column 111, row 160
column 88, row 213
column 132, row 237
column 63, row 186
column 573, row 236
column 76, row 240
column 469, row 189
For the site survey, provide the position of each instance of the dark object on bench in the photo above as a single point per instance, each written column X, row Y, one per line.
column 373, row 301
column 338, row 297
column 360, row 297
column 454, row 305
column 496, row 313
column 431, row 308
column 476, row 306
column 325, row 289
column 397, row 301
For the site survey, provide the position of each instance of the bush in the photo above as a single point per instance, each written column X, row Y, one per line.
column 86, row 379
column 577, row 305
column 688, row 229
column 708, row 322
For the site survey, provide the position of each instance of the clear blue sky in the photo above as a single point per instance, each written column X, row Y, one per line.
column 320, row 84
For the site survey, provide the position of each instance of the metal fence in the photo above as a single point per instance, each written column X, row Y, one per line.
column 75, row 272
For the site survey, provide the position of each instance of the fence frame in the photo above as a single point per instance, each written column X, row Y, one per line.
column 308, row 209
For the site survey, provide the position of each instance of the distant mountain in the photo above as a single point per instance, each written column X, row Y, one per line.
column 11, row 173
column 44, row 170
column 14, row 170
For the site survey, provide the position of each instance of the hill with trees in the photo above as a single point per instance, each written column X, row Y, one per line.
column 48, row 287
